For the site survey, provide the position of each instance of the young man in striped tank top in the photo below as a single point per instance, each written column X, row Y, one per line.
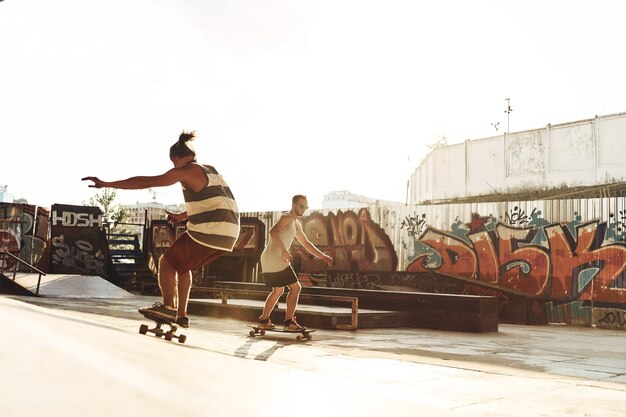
column 212, row 227
column 276, row 265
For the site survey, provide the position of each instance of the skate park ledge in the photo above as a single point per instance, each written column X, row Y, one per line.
column 351, row 309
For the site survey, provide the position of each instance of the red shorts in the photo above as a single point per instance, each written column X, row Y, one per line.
column 186, row 254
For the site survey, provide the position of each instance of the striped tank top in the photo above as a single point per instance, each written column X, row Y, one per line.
column 213, row 217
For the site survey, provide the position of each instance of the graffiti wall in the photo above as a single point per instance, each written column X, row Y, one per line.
column 547, row 260
column 78, row 241
column 576, row 264
column 353, row 240
column 24, row 231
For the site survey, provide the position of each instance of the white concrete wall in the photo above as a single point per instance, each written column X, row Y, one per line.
column 421, row 183
column 449, row 178
column 571, row 155
column 345, row 199
column 612, row 148
column 485, row 159
column 586, row 152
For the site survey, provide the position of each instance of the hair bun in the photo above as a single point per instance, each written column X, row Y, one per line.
column 186, row 136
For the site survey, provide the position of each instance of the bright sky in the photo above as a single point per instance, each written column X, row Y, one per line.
column 287, row 97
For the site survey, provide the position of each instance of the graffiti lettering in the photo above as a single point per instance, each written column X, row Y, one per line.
column 79, row 256
column 29, row 227
column 584, row 269
column 614, row 318
column 569, row 268
column 68, row 218
column 524, row 268
column 517, row 217
column 616, row 231
column 414, row 224
column 401, row 281
column 487, row 256
column 457, row 257
column 8, row 243
column 354, row 280
column 352, row 239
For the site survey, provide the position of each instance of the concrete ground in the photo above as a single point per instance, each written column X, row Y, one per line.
column 70, row 357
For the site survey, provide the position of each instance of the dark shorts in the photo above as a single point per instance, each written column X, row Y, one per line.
column 279, row 279
column 186, row 254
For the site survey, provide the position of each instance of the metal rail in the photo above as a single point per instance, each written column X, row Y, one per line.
column 226, row 293
column 32, row 268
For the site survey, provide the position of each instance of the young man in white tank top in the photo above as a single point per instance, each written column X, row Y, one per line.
column 276, row 265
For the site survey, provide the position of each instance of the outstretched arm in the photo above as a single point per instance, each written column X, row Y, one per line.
column 172, row 176
column 311, row 248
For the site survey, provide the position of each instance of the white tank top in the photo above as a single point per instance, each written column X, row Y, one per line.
column 272, row 258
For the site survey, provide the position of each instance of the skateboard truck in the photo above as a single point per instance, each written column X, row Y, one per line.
column 159, row 332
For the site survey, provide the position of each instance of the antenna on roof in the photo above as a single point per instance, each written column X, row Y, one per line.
column 508, row 113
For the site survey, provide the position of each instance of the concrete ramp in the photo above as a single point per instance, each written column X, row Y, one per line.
column 70, row 286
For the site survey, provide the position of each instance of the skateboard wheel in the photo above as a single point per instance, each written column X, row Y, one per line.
column 182, row 338
column 252, row 333
column 308, row 336
column 262, row 332
column 143, row 329
column 168, row 335
column 299, row 337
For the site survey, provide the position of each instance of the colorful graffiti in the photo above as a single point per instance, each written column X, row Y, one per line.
column 9, row 242
column 570, row 261
column 352, row 239
column 24, row 232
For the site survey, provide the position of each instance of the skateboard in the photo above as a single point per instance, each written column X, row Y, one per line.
column 159, row 332
column 302, row 334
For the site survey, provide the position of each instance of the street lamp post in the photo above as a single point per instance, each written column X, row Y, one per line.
column 508, row 113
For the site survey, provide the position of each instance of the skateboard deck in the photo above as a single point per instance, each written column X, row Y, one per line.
column 304, row 334
column 158, row 331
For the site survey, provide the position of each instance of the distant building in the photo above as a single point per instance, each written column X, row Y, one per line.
column 4, row 196
column 347, row 200
column 141, row 213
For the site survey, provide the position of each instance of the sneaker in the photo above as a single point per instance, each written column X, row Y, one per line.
column 183, row 321
column 292, row 325
column 265, row 324
column 159, row 310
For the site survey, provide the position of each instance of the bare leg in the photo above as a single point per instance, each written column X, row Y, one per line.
column 167, row 282
column 184, row 287
column 270, row 302
column 292, row 300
